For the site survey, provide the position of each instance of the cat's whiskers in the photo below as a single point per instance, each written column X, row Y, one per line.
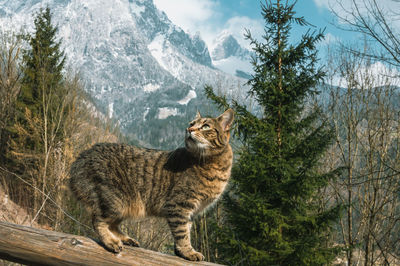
column 203, row 155
column 200, row 153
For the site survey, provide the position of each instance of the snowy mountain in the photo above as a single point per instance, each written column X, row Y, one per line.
column 140, row 68
column 228, row 56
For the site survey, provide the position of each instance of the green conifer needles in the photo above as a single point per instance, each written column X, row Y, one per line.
column 271, row 209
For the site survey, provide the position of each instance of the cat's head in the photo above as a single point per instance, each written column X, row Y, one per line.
column 207, row 136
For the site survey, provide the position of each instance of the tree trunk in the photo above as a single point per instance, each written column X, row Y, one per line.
column 34, row 246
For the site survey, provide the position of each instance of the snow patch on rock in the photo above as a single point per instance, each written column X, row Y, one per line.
column 136, row 9
column 151, row 87
column 191, row 95
column 110, row 109
column 233, row 63
column 165, row 112
column 156, row 49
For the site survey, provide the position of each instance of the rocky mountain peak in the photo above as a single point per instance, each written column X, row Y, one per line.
column 225, row 46
column 138, row 66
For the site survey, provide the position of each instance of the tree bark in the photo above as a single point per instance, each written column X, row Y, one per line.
column 34, row 246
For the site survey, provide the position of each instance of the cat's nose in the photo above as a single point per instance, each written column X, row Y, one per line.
column 190, row 129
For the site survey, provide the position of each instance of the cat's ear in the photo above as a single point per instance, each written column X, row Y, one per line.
column 226, row 119
column 197, row 115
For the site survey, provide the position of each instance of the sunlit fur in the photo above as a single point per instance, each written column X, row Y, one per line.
column 119, row 181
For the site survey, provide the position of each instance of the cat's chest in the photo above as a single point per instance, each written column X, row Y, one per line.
column 213, row 184
column 211, row 195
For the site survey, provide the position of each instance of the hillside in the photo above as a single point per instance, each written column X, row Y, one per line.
column 141, row 69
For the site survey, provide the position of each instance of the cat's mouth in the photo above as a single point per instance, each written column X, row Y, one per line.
column 191, row 138
column 193, row 142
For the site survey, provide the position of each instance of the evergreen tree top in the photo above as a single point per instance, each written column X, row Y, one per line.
column 42, row 63
column 271, row 207
column 45, row 54
column 284, row 73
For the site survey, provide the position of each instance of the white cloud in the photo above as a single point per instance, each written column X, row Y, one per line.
column 205, row 17
column 237, row 26
column 344, row 8
column 322, row 3
column 188, row 14
column 380, row 74
column 341, row 7
column 329, row 39
column 373, row 75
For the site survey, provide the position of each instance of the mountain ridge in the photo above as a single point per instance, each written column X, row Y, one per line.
column 138, row 66
column 229, row 56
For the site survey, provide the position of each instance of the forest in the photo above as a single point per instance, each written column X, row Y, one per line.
column 316, row 176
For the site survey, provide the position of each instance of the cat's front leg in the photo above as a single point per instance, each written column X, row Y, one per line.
column 180, row 228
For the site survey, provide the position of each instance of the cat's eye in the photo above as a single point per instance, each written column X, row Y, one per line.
column 205, row 127
column 191, row 124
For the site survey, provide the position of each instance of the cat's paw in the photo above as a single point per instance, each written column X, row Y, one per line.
column 131, row 242
column 189, row 254
column 113, row 245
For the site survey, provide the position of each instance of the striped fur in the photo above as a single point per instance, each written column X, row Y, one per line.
column 118, row 181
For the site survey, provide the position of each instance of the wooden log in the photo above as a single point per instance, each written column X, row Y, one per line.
column 34, row 246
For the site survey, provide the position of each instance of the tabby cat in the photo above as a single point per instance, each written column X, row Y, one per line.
column 118, row 181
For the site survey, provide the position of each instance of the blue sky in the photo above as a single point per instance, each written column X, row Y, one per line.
column 211, row 17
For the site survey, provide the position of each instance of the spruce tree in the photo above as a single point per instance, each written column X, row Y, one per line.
column 42, row 65
column 43, row 62
column 37, row 133
column 271, row 212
